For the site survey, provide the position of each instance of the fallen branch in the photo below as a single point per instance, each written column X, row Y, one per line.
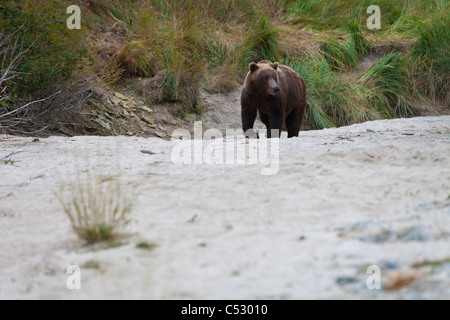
column 27, row 105
column 11, row 154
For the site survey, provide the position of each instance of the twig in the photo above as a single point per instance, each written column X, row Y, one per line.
column 11, row 154
column 29, row 133
column 28, row 104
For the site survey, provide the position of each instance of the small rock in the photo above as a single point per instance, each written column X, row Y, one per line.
column 148, row 152
column 116, row 101
column 130, row 105
column 120, row 96
column 369, row 155
column 370, row 130
column 390, row 265
column 301, row 238
column 147, row 119
column 396, row 279
column 190, row 117
column 343, row 280
column 144, row 108
column 160, row 134
column 192, row 220
column 409, row 234
column 36, row 140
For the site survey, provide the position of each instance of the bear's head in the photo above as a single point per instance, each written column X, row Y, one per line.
column 263, row 78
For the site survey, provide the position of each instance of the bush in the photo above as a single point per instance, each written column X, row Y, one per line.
column 54, row 50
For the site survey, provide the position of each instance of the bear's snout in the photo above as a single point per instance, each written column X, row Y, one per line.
column 276, row 89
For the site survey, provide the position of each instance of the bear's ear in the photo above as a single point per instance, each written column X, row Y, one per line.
column 274, row 65
column 253, row 66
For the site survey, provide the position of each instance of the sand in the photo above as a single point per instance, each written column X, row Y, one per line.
column 343, row 199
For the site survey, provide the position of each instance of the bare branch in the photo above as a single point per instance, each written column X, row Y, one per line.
column 11, row 154
column 27, row 105
column 29, row 133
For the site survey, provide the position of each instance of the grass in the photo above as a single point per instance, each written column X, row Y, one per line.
column 91, row 264
column 432, row 263
column 388, row 78
column 330, row 103
column 380, row 92
column 262, row 42
column 9, row 161
column 145, row 245
column 343, row 54
column 98, row 209
column 430, row 59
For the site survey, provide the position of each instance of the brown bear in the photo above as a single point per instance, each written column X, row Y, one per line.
column 278, row 93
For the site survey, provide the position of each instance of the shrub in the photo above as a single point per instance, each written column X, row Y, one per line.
column 54, row 50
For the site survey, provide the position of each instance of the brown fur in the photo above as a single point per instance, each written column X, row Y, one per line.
column 275, row 108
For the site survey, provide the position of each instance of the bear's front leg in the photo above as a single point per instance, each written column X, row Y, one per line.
column 276, row 121
column 248, row 120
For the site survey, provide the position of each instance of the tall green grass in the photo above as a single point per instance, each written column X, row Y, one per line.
column 430, row 59
column 389, row 79
column 343, row 53
column 331, row 102
column 262, row 42
column 381, row 92
column 331, row 14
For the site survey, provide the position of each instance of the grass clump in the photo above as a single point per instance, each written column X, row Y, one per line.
column 262, row 42
column 91, row 264
column 98, row 209
column 145, row 245
column 388, row 80
column 331, row 103
column 430, row 59
column 343, row 54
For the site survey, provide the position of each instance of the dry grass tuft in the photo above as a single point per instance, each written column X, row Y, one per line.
column 98, row 207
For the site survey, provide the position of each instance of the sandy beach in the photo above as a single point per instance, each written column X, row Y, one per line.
column 343, row 199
